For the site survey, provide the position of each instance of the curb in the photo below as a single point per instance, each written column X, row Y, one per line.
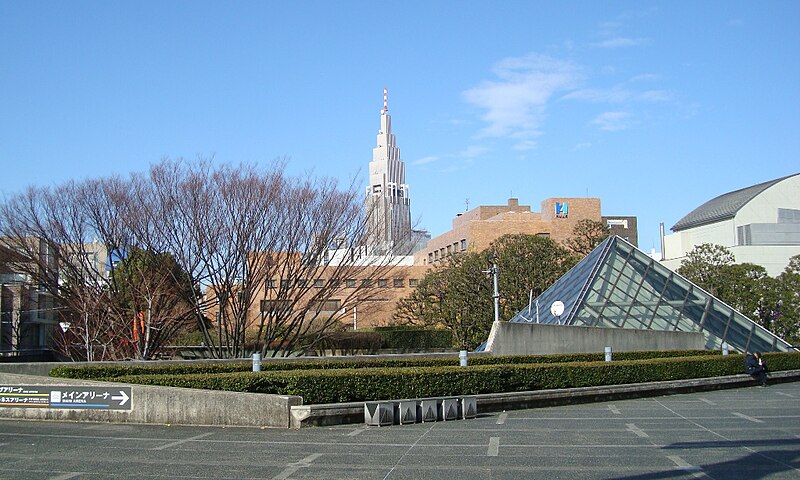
column 353, row 412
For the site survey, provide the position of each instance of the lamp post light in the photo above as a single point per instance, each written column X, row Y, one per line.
column 493, row 272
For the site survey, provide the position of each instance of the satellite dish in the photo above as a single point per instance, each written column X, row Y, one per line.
column 64, row 326
column 557, row 308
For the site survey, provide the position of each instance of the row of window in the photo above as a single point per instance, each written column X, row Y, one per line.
column 445, row 252
column 285, row 306
column 348, row 283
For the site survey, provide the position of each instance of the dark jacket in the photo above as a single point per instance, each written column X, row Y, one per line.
column 753, row 365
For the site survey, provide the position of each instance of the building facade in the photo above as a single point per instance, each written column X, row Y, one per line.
column 759, row 224
column 388, row 202
column 476, row 229
column 27, row 310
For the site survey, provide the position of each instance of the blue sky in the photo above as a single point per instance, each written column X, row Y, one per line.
column 654, row 107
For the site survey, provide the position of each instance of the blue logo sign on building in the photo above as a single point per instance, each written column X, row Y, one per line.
column 562, row 210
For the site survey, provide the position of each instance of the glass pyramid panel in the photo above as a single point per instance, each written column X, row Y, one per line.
column 619, row 286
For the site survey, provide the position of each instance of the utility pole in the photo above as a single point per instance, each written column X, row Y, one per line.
column 493, row 272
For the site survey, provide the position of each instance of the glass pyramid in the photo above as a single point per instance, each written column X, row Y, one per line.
column 619, row 286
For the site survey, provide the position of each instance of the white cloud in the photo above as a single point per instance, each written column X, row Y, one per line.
column 515, row 103
column 612, row 121
column 617, row 94
column 581, row 146
column 619, row 42
column 645, row 77
column 425, row 160
column 472, row 151
column 597, row 95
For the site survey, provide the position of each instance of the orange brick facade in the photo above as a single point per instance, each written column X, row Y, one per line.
column 476, row 229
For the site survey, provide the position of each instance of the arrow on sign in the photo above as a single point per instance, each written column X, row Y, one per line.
column 123, row 398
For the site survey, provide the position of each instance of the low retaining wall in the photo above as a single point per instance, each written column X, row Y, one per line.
column 353, row 412
column 509, row 338
column 162, row 405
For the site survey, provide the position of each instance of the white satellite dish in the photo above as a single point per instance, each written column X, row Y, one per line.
column 64, row 326
column 557, row 308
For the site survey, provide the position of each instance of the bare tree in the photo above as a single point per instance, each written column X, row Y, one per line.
column 53, row 229
column 586, row 235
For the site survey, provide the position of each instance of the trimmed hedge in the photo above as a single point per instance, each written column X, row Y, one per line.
column 350, row 385
column 411, row 338
column 97, row 372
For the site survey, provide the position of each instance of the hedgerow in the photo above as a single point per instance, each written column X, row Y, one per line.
column 369, row 383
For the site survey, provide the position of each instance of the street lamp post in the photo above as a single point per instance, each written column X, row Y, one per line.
column 493, row 272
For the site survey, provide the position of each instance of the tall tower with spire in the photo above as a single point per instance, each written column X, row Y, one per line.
column 387, row 199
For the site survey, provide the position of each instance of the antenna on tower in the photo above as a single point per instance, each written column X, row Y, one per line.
column 385, row 101
column 466, row 202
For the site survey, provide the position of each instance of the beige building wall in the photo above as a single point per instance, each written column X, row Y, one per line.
column 476, row 229
column 353, row 303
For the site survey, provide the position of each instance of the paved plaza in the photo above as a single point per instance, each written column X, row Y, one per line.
column 748, row 433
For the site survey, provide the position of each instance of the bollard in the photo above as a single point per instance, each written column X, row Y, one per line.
column 725, row 348
column 462, row 358
column 608, row 354
column 256, row 362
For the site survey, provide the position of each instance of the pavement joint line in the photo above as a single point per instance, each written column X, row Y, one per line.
column 691, row 421
column 408, row 451
column 185, row 440
column 501, row 419
column 66, row 476
column 681, row 464
column 705, row 400
column 494, row 446
column 614, row 410
column 636, row 430
column 356, row 432
column 785, row 394
column 748, row 417
column 294, row 467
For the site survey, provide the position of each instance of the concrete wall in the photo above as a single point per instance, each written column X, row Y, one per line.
column 538, row 339
column 164, row 405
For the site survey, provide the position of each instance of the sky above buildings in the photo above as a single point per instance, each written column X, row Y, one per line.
column 653, row 106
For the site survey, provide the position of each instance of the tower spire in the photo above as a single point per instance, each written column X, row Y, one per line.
column 385, row 101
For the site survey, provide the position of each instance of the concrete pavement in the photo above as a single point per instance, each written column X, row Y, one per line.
column 751, row 433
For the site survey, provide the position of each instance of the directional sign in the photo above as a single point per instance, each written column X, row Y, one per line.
column 42, row 396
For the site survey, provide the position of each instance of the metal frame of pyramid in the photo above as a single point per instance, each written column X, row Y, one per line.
column 619, row 286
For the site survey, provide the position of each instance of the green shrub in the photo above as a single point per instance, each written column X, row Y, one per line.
column 359, row 384
column 346, row 343
column 112, row 371
column 414, row 338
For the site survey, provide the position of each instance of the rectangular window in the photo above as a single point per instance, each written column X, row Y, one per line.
column 285, row 283
column 350, row 282
column 413, row 282
column 449, row 250
column 279, row 307
column 430, row 257
column 366, row 282
column 326, row 306
column 399, row 283
column 463, row 244
column 270, row 283
column 319, row 283
column 334, row 283
column 302, row 282
column 383, row 283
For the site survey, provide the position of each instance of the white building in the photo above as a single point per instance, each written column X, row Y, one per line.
column 758, row 224
column 387, row 200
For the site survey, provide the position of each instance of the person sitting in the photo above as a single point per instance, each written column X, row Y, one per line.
column 755, row 365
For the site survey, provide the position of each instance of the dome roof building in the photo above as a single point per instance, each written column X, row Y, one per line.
column 759, row 224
